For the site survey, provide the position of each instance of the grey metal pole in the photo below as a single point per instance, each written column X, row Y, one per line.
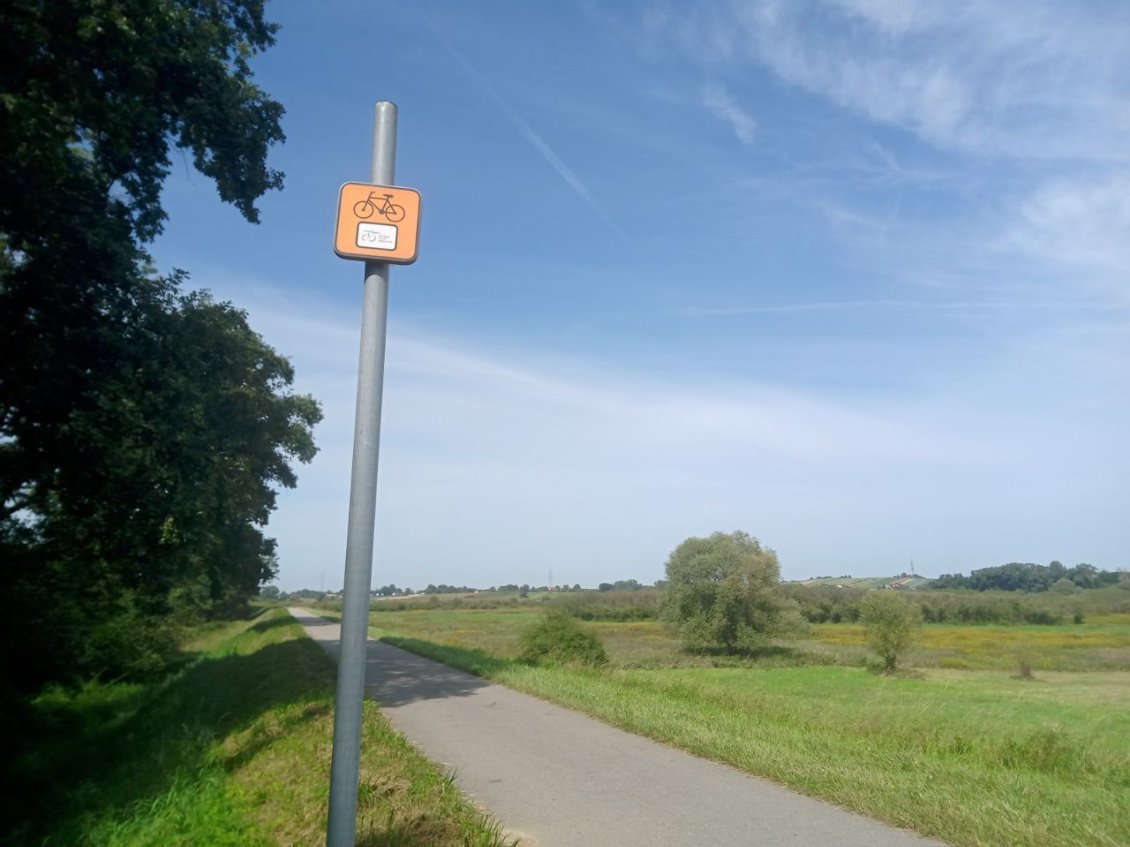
column 342, row 827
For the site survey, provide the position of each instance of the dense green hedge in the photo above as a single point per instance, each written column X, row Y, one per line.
column 827, row 604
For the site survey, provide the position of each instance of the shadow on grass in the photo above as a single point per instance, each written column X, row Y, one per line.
column 767, row 653
column 901, row 672
column 272, row 623
column 105, row 768
column 126, row 749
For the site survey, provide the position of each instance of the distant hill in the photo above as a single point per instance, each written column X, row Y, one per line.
column 867, row 581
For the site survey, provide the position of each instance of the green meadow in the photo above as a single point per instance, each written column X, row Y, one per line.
column 960, row 746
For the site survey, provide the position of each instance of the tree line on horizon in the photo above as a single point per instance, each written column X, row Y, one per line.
column 725, row 590
column 1024, row 577
column 1030, row 577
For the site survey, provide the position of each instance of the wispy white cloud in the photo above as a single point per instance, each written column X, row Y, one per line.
column 1036, row 79
column 1080, row 223
column 1057, row 243
column 487, row 453
column 722, row 105
column 896, row 17
column 871, row 164
column 1026, row 106
column 873, row 306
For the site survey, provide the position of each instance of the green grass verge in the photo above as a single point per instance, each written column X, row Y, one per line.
column 234, row 749
column 970, row 758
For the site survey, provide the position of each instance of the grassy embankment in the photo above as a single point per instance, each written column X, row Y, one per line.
column 234, row 749
column 973, row 757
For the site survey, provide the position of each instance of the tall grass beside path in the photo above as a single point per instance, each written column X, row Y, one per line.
column 972, row 759
column 232, row 750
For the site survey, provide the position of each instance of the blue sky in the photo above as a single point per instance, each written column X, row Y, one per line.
column 850, row 275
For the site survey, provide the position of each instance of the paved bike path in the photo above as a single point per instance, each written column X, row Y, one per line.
column 561, row 779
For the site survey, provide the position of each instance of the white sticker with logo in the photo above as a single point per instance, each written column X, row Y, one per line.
column 376, row 236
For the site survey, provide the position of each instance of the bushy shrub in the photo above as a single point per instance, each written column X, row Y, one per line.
column 558, row 638
column 625, row 605
column 954, row 663
column 891, row 622
column 130, row 645
column 825, row 603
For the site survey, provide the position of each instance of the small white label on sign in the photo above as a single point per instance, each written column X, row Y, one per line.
column 376, row 236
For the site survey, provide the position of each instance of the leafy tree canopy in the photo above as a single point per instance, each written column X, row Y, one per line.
column 143, row 431
column 724, row 592
column 94, row 96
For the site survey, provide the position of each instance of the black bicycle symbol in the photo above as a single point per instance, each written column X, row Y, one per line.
column 367, row 207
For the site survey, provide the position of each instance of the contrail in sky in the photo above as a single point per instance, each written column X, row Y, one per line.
column 829, row 306
column 530, row 134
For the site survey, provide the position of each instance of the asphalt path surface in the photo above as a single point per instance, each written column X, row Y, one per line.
column 559, row 779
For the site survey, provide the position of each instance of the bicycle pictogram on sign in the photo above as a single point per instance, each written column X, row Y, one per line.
column 372, row 205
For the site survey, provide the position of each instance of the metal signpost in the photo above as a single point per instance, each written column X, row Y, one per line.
column 378, row 223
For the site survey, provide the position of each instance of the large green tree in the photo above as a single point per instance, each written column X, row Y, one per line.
column 724, row 592
column 143, row 431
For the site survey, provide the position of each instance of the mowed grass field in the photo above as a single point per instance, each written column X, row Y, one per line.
column 958, row 747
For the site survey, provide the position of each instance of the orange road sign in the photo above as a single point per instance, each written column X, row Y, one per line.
column 377, row 222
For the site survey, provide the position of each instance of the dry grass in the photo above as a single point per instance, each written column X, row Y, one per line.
column 1101, row 645
column 1091, row 646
